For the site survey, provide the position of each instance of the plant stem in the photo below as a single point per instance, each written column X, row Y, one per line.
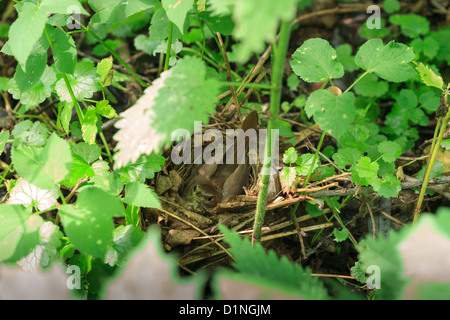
column 169, row 47
column 436, row 145
column 278, row 56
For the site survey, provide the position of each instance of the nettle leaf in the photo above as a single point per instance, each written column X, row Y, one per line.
column 125, row 239
column 84, row 82
column 333, row 114
column 257, row 22
column 104, row 109
column 64, row 51
column 290, row 155
column 428, row 77
column 38, row 93
column 90, row 153
column 315, row 61
column 140, row 195
column 305, row 162
column 346, row 156
column 80, row 170
column 412, row 25
column 113, row 11
column 26, row 31
column 177, row 10
column 389, row 62
column 19, row 231
column 88, row 223
column 43, row 167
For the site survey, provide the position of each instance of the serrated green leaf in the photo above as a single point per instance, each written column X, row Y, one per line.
column 188, row 93
column 88, row 223
column 104, row 71
column 333, row 114
column 412, row 25
column 288, row 175
column 428, row 76
column 390, row 150
column 90, row 153
column 65, row 115
column 80, row 170
column 44, row 167
column 389, row 62
column 26, row 31
column 177, row 10
column 290, row 155
column 253, row 261
column 257, row 22
column 64, row 51
column 125, row 238
column 222, row 24
column 140, row 195
column 444, row 144
column 104, row 109
column 159, row 26
column 315, row 61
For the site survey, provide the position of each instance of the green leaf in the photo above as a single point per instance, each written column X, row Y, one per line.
column 19, row 232
column 26, row 31
column 444, row 144
column 107, row 181
column 104, row 71
column 113, row 11
column 36, row 64
column 4, row 136
column 288, row 175
column 388, row 187
column 390, row 150
column 313, row 208
column 104, row 109
column 290, row 155
column 412, row 25
column 90, row 153
column 389, row 62
column 144, row 168
column 355, row 137
column 140, row 195
column 429, row 101
column 346, row 156
column 391, row 6
column 43, row 167
column 64, row 51
column 305, row 162
column 144, row 43
column 159, row 27
column 344, row 56
column 38, row 93
column 125, row 238
column 315, row 61
column 88, row 223
column 188, row 93
column 62, row 6
column 437, row 171
column 257, row 22
column 84, row 82
column 333, row 114
column 340, row 235
column 366, row 171
column 177, row 10
column 89, row 127
column 80, row 170
column 369, row 86
column 65, row 115
column 30, row 134
column 428, row 77
column 222, row 24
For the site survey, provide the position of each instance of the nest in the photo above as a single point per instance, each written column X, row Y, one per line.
column 196, row 235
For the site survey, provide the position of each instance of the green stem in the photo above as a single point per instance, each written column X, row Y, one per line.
column 278, row 56
column 356, row 81
column 247, row 85
column 169, row 47
column 430, row 164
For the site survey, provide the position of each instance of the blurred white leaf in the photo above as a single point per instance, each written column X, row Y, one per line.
column 29, row 195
